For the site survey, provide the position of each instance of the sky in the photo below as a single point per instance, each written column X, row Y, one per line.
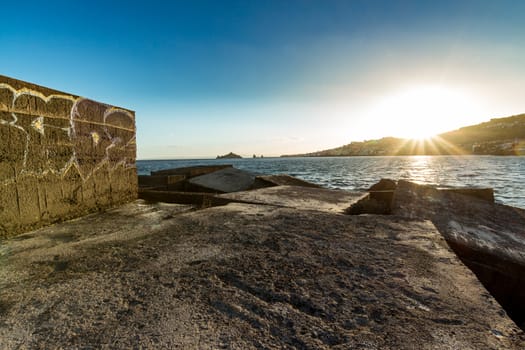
column 274, row 77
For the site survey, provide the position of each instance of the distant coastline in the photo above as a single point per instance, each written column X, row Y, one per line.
column 499, row 136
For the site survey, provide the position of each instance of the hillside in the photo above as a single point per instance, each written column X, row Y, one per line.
column 499, row 136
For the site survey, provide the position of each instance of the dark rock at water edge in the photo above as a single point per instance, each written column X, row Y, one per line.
column 384, row 185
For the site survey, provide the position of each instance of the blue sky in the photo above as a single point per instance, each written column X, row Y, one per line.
column 274, row 77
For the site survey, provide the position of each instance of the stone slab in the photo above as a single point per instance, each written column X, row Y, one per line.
column 299, row 197
column 243, row 276
column 224, row 181
column 199, row 199
column 162, row 181
column 490, row 227
column 192, row 171
column 481, row 193
column 489, row 237
column 281, row 180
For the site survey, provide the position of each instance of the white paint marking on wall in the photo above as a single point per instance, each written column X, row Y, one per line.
column 38, row 124
column 95, row 137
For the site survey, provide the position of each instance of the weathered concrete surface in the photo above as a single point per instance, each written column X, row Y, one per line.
column 243, row 277
column 162, row 182
column 221, row 178
column 223, row 181
column 214, row 179
column 191, row 171
column 61, row 156
column 299, row 197
column 491, row 227
column 489, row 237
column 481, row 193
column 263, row 181
column 198, row 199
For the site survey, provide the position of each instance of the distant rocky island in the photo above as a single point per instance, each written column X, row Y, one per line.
column 230, row 155
column 499, row 136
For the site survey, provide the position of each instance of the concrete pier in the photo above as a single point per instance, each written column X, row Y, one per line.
column 273, row 273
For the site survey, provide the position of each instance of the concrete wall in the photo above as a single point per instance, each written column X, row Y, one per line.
column 61, row 156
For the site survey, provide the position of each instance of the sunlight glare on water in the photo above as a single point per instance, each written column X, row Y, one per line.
column 421, row 170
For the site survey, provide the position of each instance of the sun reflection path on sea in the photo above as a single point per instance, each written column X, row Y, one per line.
column 421, row 170
column 432, row 170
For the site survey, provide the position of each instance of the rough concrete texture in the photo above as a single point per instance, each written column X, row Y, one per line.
column 481, row 193
column 60, row 156
column 489, row 237
column 163, row 182
column 281, row 180
column 213, row 179
column 299, row 197
column 191, row 171
column 243, row 276
column 224, row 181
column 490, row 227
column 198, row 199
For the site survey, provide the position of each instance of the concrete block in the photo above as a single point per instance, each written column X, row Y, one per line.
column 160, row 180
column 382, row 196
column 281, row 180
column 486, row 194
column 61, row 156
column 224, row 181
column 192, row 171
column 195, row 198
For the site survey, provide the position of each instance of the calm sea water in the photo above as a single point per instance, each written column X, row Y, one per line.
column 505, row 174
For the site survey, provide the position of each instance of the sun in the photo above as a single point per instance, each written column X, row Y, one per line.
column 421, row 112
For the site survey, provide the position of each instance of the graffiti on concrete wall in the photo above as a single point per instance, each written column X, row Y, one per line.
column 42, row 134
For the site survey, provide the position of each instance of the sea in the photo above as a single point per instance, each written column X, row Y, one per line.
column 506, row 175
